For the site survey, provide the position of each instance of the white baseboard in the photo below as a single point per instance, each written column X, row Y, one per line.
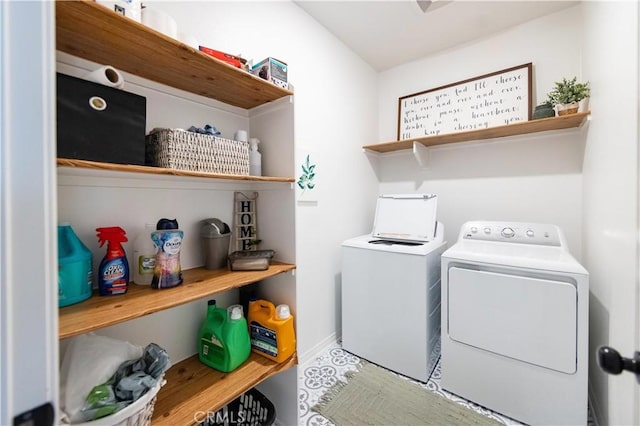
column 310, row 355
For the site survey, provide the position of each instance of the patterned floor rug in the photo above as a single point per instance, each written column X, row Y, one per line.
column 373, row 396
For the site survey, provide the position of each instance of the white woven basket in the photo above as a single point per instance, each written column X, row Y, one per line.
column 137, row 414
column 182, row 150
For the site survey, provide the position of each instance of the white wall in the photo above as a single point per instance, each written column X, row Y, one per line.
column 534, row 178
column 335, row 112
column 610, row 206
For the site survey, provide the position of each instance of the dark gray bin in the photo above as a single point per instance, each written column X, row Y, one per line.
column 215, row 237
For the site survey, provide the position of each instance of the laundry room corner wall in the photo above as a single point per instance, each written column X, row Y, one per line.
column 610, row 206
column 531, row 178
column 335, row 108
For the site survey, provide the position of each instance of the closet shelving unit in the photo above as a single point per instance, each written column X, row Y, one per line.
column 91, row 31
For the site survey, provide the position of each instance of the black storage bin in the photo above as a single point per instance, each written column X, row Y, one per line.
column 99, row 123
column 251, row 408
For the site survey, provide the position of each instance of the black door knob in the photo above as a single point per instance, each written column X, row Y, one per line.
column 610, row 361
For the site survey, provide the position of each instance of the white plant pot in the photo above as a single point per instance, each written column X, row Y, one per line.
column 583, row 105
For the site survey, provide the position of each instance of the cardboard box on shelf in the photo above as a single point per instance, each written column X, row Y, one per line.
column 272, row 70
column 234, row 60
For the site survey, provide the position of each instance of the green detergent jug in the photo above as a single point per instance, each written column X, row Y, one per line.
column 223, row 340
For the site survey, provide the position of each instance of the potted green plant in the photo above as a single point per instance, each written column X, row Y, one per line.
column 566, row 94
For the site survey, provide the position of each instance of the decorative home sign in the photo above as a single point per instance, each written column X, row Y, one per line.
column 245, row 221
column 496, row 99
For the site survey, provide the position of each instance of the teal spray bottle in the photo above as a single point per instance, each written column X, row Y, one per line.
column 113, row 274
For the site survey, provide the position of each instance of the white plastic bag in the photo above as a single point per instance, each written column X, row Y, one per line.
column 89, row 360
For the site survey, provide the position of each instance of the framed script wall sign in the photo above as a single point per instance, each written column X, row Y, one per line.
column 496, row 99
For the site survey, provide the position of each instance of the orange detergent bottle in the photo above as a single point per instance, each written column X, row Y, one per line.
column 271, row 330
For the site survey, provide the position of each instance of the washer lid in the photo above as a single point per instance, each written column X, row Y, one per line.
column 405, row 217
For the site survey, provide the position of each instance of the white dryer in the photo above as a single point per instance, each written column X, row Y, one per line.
column 515, row 322
column 391, row 287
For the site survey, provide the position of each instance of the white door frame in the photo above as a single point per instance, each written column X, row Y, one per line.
column 28, row 247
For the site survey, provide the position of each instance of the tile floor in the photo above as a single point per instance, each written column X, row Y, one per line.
column 318, row 376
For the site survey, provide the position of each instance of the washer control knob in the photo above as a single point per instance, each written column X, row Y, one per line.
column 529, row 233
column 474, row 229
column 508, row 232
column 487, row 230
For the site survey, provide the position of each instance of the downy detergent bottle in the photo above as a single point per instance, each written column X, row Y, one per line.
column 168, row 240
column 113, row 274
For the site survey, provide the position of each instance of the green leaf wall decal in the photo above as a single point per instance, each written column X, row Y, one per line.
column 305, row 181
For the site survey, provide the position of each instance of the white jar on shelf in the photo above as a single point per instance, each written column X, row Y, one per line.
column 255, row 158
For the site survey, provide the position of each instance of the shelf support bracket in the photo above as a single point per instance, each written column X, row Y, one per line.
column 421, row 153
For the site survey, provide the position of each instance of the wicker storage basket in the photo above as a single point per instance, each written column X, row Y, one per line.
column 137, row 414
column 182, row 150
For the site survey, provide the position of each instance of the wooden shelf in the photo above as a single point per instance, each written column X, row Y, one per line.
column 103, row 311
column 94, row 32
column 193, row 387
column 162, row 171
column 532, row 126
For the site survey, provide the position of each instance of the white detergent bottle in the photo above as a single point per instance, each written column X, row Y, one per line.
column 144, row 255
column 255, row 158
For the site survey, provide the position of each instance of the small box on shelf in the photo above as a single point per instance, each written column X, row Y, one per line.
column 230, row 59
column 272, row 70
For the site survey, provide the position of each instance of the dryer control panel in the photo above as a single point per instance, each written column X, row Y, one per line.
column 512, row 232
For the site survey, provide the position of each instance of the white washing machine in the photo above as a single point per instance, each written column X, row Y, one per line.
column 391, row 287
column 515, row 322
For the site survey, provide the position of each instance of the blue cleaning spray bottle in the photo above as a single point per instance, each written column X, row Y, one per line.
column 113, row 275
